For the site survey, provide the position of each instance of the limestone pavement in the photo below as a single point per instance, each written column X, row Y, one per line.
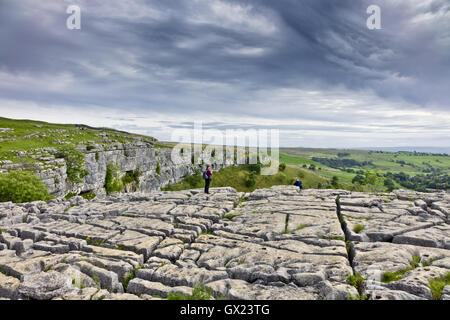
column 273, row 243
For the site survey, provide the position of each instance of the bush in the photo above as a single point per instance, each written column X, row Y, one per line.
column 282, row 166
column 335, row 182
column 251, row 180
column 389, row 184
column 70, row 195
column 195, row 180
column 360, row 179
column 113, row 182
column 22, row 186
column 90, row 195
column 158, row 168
column 74, row 162
column 132, row 176
column 358, row 228
column 281, row 177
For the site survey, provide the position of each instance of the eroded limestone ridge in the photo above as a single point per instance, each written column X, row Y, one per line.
column 274, row 243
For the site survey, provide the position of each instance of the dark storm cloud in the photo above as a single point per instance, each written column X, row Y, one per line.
column 251, row 58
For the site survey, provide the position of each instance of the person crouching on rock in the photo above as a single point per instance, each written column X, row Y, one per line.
column 298, row 183
column 207, row 176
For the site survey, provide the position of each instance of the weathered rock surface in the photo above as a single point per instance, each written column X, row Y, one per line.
column 274, row 243
column 155, row 166
column 405, row 233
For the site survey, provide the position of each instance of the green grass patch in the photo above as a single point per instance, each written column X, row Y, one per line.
column 388, row 277
column 358, row 297
column 130, row 277
column 333, row 238
column 300, row 227
column 93, row 242
column 207, row 233
column 70, row 195
column 358, row 228
column 200, row 292
column 96, row 280
column 437, row 286
column 88, row 195
column 356, row 280
column 230, row 216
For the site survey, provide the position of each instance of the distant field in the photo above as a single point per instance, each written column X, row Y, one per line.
column 349, row 163
column 383, row 161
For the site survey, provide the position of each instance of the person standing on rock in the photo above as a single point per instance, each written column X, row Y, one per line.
column 298, row 183
column 207, row 176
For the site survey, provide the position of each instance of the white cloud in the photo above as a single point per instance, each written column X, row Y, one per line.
column 240, row 17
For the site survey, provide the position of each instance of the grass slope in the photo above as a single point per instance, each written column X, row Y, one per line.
column 26, row 135
column 237, row 176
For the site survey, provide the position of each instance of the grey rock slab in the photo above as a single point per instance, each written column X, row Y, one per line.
column 79, row 279
column 173, row 275
column 434, row 236
column 127, row 256
column 139, row 286
column 171, row 253
column 374, row 258
column 143, row 224
column 8, row 286
column 45, row 285
column 51, row 247
column 23, row 246
column 107, row 279
column 136, row 242
column 446, row 293
column 387, row 294
column 235, row 289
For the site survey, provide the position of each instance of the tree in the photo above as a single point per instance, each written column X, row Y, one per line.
column 251, row 180
column 360, row 179
column 389, row 184
column 371, row 178
column 113, row 180
column 74, row 162
column 335, row 182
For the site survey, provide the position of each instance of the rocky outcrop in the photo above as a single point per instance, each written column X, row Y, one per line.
column 155, row 166
column 275, row 243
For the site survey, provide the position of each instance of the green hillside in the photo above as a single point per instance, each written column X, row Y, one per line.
column 17, row 136
column 419, row 171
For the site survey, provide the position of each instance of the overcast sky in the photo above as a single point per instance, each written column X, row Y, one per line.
column 310, row 68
